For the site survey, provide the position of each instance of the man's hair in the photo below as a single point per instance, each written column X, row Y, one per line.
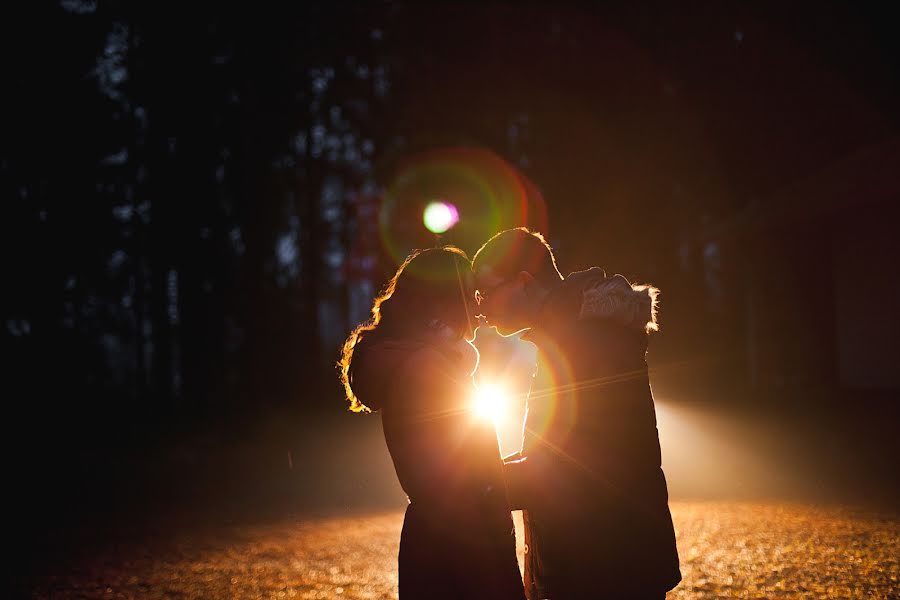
column 514, row 250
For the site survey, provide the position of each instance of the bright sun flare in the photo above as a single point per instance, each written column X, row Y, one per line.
column 491, row 402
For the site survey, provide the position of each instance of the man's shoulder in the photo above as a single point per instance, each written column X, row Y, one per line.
column 564, row 301
column 578, row 279
column 426, row 359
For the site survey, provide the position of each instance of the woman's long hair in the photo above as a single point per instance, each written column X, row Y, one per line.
column 430, row 284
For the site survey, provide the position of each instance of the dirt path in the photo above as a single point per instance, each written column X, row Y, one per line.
column 727, row 550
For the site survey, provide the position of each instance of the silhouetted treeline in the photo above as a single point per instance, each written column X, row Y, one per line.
column 179, row 184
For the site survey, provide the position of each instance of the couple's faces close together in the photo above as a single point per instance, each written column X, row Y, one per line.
column 503, row 302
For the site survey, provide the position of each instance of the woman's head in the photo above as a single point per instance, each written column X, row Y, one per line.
column 431, row 294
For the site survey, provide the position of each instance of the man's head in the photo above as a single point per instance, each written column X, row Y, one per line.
column 514, row 272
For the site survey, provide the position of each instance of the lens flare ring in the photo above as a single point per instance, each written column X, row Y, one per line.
column 485, row 191
column 553, row 401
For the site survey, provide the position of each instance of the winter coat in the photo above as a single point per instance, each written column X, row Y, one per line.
column 597, row 516
column 458, row 539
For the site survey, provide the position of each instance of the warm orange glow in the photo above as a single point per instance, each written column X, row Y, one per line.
column 491, row 402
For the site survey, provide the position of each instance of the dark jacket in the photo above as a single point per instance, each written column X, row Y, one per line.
column 458, row 539
column 597, row 516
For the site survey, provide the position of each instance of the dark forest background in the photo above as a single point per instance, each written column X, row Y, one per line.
column 185, row 195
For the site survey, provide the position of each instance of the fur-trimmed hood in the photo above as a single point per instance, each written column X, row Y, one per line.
column 616, row 299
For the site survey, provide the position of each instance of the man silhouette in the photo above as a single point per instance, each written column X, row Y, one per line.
column 589, row 478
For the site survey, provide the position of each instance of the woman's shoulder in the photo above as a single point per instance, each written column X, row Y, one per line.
column 398, row 363
column 401, row 355
column 431, row 380
column 428, row 360
column 378, row 367
column 411, row 368
column 435, row 368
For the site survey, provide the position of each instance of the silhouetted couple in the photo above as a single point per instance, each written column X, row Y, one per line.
column 589, row 478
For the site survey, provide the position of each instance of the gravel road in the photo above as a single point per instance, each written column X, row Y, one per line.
column 740, row 550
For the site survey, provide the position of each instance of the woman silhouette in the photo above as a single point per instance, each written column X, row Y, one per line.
column 412, row 363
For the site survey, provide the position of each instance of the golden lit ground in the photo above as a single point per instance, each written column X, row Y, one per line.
column 744, row 550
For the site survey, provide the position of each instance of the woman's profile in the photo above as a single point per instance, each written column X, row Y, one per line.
column 412, row 363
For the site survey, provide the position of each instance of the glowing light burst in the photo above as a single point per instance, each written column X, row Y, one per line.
column 440, row 217
column 491, row 402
